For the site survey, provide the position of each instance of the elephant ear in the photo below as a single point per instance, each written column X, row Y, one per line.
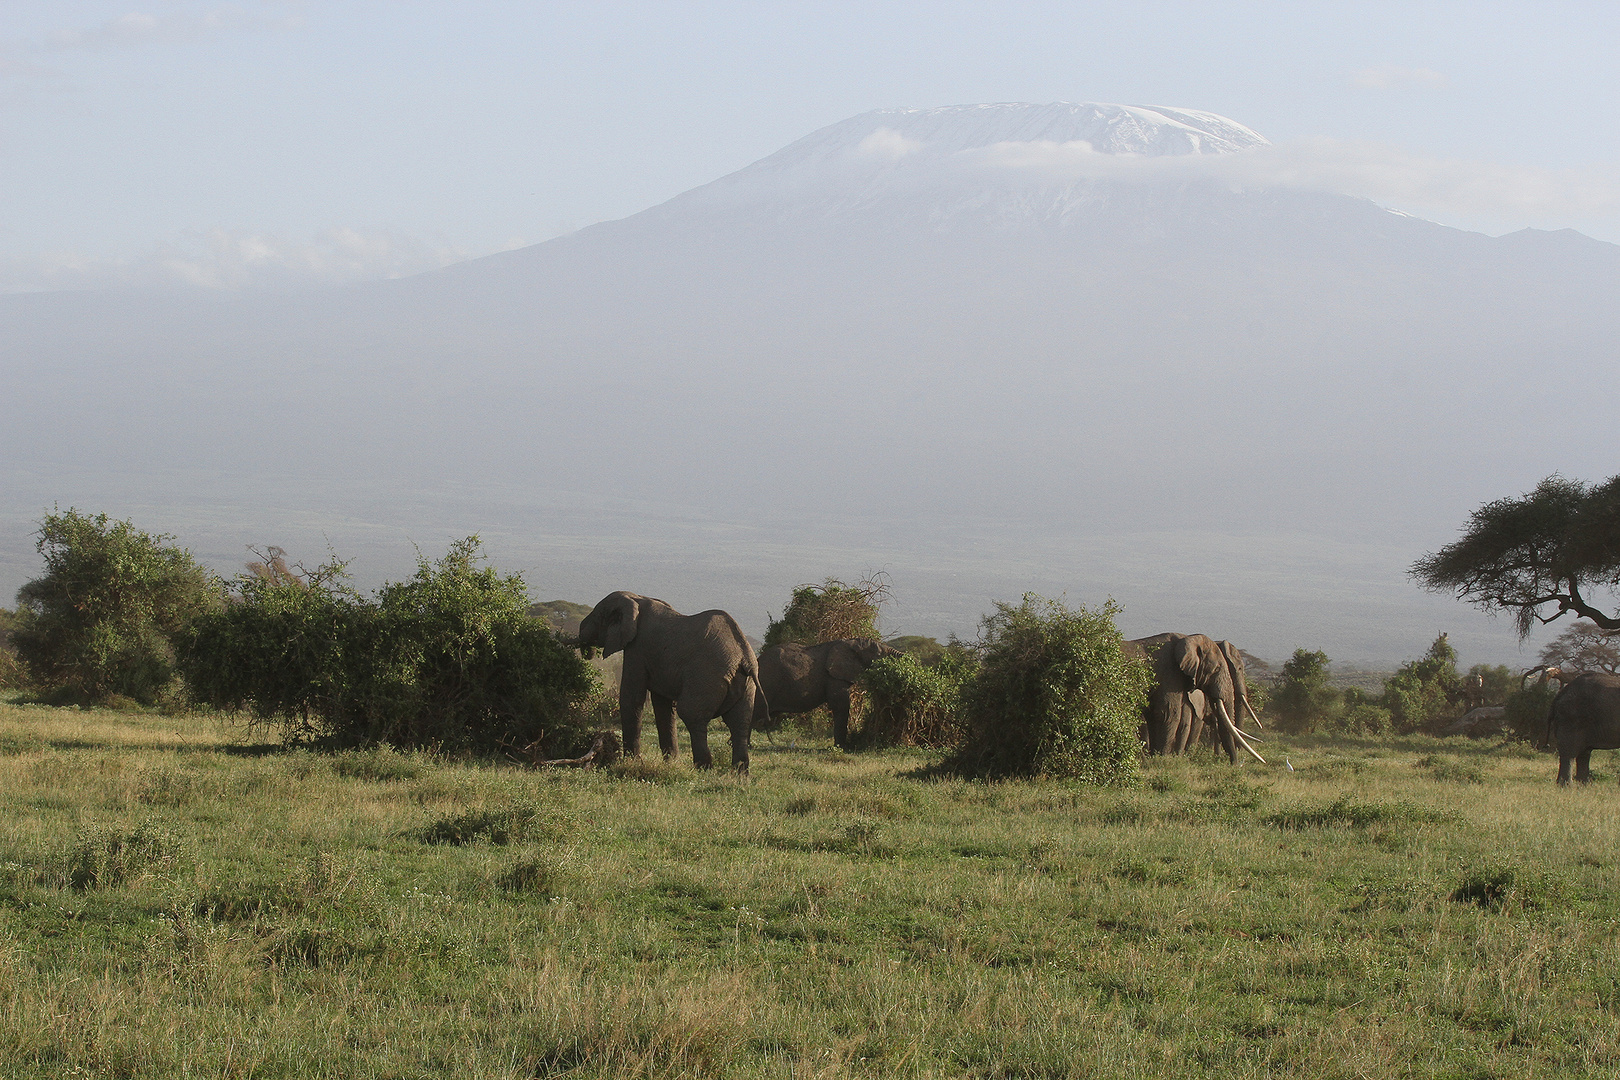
column 1198, row 658
column 621, row 622
column 843, row 663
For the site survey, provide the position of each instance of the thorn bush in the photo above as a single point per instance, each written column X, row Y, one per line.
column 1054, row 695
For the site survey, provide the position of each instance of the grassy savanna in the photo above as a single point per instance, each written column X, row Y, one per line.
column 177, row 900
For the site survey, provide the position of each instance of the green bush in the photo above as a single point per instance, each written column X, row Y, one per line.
column 908, row 704
column 12, row 675
column 101, row 622
column 1350, row 811
column 1502, row 887
column 500, row 825
column 926, row 651
column 1497, row 681
column 830, row 611
column 449, row 659
column 1424, row 691
column 1054, row 695
column 1452, row 769
column 1363, row 715
column 1303, row 700
column 1526, row 712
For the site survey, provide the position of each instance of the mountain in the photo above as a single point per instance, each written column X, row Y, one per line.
column 1066, row 348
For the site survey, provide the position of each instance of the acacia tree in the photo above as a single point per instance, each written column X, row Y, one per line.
column 1583, row 647
column 1541, row 555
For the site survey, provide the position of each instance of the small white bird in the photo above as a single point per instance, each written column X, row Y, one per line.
column 1288, row 763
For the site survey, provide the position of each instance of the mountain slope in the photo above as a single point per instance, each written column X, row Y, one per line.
column 1237, row 410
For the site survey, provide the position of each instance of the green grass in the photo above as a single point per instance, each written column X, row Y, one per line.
column 177, row 899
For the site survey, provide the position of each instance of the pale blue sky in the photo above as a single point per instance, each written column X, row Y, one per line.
column 349, row 139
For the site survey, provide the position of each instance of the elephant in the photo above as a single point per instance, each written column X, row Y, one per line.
column 699, row 666
column 1585, row 716
column 1182, row 664
column 797, row 678
column 1240, row 688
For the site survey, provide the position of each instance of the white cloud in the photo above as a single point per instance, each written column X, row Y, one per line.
column 226, row 259
column 1395, row 77
column 1384, row 174
column 888, row 144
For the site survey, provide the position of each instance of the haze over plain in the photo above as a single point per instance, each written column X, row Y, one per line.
column 981, row 353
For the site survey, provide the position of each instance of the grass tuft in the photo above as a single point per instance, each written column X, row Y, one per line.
column 536, row 875
column 377, row 763
column 1507, row 887
column 104, row 858
column 1350, row 811
column 1452, row 769
column 498, row 825
column 1333, row 769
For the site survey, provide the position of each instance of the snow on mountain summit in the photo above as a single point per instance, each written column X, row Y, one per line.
column 958, row 159
column 1147, row 130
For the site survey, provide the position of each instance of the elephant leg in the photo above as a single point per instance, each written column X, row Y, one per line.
column 1156, row 734
column 739, row 721
column 838, row 703
column 698, row 732
column 1583, row 767
column 1195, row 733
column 1180, row 733
column 1564, row 762
column 664, row 715
column 632, row 695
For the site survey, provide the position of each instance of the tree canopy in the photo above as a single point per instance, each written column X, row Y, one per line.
column 102, row 618
column 450, row 658
column 1541, row 555
column 1583, row 647
column 1304, row 699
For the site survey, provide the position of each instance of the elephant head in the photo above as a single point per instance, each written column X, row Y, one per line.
column 847, row 659
column 1240, row 684
column 611, row 625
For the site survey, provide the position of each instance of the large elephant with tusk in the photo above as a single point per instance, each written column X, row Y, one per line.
column 1196, row 681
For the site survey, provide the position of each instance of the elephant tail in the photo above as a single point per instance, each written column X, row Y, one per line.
column 762, row 708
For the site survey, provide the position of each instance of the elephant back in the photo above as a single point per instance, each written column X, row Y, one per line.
column 793, row 677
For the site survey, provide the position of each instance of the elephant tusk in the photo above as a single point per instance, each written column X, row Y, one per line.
column 1220, row 707
column 1252, row 714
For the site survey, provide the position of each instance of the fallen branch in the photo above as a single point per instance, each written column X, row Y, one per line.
column 604, row 751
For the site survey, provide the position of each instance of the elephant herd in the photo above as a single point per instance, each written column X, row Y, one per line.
column 1197, row 682
column 701, row 667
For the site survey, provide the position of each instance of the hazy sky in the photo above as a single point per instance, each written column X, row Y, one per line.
column 259, row 141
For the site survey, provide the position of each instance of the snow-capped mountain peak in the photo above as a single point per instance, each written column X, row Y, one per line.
column 961, row 158
column 1147, row 130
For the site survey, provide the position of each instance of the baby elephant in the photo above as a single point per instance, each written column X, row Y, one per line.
column 797, row 678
